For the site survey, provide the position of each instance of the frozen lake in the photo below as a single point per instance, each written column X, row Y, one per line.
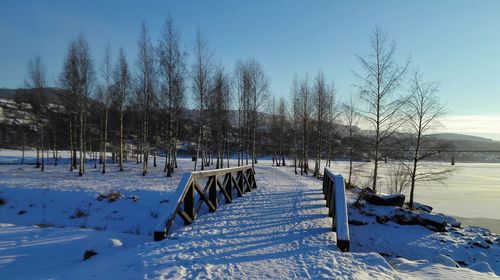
column 472, row 191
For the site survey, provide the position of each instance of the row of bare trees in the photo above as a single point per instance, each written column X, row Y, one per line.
column 230, row 112
column 388, row 108
column 156, row 94
column 398, row 110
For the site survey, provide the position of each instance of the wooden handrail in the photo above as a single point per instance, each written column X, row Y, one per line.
column 184, row 204
column 334, row 191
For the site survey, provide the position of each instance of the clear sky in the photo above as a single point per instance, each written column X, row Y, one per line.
column 452, row 41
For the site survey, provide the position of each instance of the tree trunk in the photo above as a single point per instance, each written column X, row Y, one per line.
column 105, row 140
column 121, row 140
column 80, row 171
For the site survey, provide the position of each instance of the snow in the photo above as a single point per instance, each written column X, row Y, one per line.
column 281, row 230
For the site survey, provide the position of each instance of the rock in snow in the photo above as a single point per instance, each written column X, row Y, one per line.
column 387, row 200
column 114, row 243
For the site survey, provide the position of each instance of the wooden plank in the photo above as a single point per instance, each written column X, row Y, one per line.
column 335, row 189
column 241, row 182
column 237, row 181
column 167, row 221
column 223, row 190
column 341, row 216
column 185, row 216
column 212, row 192
column 203, row 197
column 331, row 207
column 247, row 188
column 228, row 184
column 189, row 203
column 220, row 172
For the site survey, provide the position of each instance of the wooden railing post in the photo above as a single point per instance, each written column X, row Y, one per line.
column 335, row 196
column 331, row 208
column 241, row 182
column 189, row 204
column 229, row 186
column 212, row 191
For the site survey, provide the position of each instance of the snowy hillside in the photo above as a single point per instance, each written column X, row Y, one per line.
column 279, row 231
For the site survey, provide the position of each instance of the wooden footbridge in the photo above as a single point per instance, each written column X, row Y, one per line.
column 212, row 187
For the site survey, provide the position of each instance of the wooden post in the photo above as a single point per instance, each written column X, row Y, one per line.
column 189, row 204
column 328, row 192
column 229, row 186
column 331, row 209
column 241, row 182
column 212, row 191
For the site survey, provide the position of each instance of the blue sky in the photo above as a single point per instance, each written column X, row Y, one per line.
column 451, row 41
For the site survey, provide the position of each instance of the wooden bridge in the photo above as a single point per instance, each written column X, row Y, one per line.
column 230, row 183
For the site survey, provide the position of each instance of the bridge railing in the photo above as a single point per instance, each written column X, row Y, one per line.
column 334, row 191
column 190, row 195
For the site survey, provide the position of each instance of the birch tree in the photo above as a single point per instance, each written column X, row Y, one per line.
column 121, row 91
column 201, row 72
column 77, row 78
column 423, row 113
column 282, row 121
column 258, row 94
column 321, row 104
column 36, row 81
column 378, row 86
column 351, row 120
column 105, row 92
column 145, row 89
column 172, row 70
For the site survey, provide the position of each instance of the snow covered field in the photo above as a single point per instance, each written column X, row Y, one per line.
column 279, row 231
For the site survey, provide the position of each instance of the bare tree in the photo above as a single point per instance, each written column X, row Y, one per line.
column 121, row 91
column 172, row 69
column 423, row 114
column 258, row 94
column 321, row 101
column 218, row 101
column 201, row 73
column 36, row 81
column 282, row 121
column 274, row 130
column 105, row 94
column 77, row 77
column 241, row 82
column 378, row 89
column 295, row 119
column 304, row 101
column 351, row 121
column 145, row 89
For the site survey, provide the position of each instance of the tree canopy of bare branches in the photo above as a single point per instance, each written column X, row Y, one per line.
column 423, row 114
column 77, row 78
column 378, row 87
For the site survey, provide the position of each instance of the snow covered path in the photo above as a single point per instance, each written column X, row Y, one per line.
column 279, row 231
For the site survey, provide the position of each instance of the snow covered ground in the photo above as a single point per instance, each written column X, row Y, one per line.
column 279, row 231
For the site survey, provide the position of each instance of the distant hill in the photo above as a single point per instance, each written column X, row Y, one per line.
column 460, row 137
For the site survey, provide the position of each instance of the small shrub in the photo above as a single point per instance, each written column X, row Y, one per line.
column 399, row 179
column 111, row 196
column 44, row 225
column 79, row 213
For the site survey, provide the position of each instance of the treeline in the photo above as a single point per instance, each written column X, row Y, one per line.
column 234, row 113
column 154, row 95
